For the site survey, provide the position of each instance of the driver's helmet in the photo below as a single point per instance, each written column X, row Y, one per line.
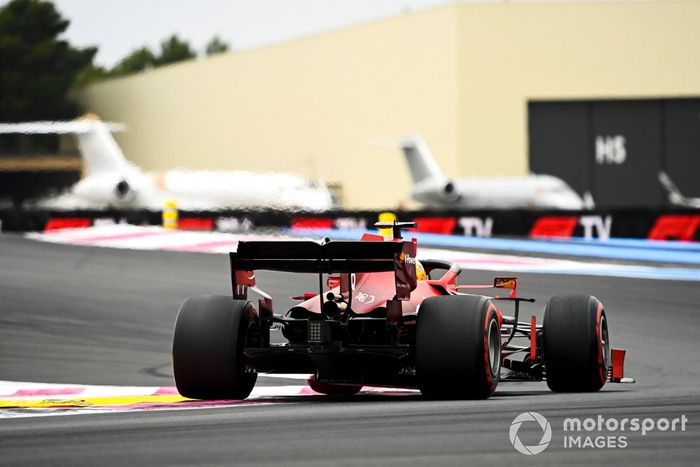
column 420, row 272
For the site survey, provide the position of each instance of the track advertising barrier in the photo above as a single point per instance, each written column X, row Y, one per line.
column 675, row 224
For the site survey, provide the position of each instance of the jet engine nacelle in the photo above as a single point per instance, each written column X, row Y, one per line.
column 449, row 191
column 440, row 192
column 108, row 189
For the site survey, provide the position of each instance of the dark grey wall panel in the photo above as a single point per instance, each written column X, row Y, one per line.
column 627, row 153
column 682, row 144
column 615, row 148
column 559, row 142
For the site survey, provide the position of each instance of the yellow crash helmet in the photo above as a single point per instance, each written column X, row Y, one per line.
column 420, row 272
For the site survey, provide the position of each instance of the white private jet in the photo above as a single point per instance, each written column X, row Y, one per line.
column 112, row 181
column 433, row 189
column 675, row 197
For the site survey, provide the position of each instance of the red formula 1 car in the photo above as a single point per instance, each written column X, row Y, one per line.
column 382, row 318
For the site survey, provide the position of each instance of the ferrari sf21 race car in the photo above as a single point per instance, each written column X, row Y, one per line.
column 383, row 318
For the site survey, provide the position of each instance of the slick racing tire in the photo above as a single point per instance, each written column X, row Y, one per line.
column 458, row 347
column 575, row 344
column 208, row 361
column 331, row 389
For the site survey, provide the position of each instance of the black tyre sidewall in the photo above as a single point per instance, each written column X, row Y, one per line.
column 208, row 361
column 452, row 356
column 571, row 342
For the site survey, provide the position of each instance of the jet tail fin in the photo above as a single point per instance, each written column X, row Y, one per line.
column 588, row 200
column 674, row 194
column 97, row 146
column 420, row 160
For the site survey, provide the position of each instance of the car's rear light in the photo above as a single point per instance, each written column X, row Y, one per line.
column 318, row 331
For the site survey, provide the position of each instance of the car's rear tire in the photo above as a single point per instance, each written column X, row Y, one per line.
column 331, row 389
column 575, row 344
column 458, row 347
column 208, row 360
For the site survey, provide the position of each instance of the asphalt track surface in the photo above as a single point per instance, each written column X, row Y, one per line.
column 102, row 316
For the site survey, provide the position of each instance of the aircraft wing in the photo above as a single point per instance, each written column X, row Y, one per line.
column 49, row 127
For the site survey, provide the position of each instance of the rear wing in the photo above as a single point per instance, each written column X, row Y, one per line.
column 330, row 257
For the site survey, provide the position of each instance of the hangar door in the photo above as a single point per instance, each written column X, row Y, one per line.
column 614, row 149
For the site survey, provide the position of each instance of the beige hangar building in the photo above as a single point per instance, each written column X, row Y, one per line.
column 464, row 76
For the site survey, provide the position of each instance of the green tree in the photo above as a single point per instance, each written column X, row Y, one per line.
column 216, row 46
column 37, row 69
column 90, row 74
column 174, row 50
column 138, row 60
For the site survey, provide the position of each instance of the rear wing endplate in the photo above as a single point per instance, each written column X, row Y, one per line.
column 330, row 257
